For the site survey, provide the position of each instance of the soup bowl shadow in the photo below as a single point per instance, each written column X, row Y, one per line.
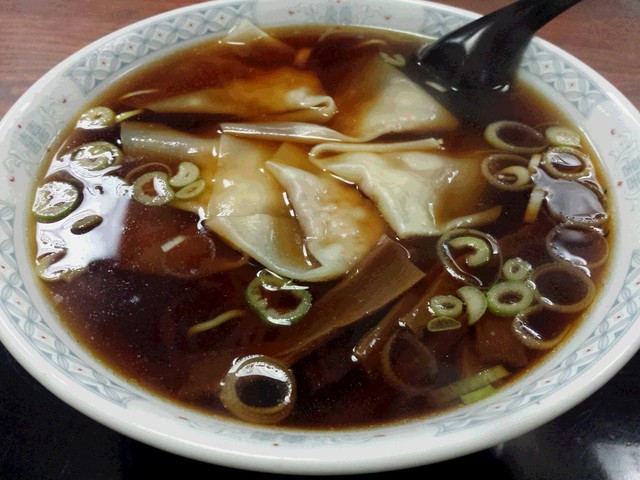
column 29, row 329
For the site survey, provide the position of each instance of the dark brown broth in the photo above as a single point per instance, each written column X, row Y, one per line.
column 136, row 322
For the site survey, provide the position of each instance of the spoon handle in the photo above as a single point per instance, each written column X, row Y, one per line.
column 484, row 54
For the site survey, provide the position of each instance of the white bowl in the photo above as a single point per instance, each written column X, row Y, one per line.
column 30, row 330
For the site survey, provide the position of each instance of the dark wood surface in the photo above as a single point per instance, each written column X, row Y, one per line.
column 41, row 437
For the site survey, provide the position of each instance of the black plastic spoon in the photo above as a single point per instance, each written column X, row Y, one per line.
column 476, row 63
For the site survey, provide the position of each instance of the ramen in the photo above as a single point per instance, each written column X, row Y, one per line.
column 286, row 227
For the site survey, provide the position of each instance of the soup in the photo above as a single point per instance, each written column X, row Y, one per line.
column 284, row 227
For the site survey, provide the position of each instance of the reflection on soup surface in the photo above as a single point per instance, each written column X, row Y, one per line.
column 286, row 227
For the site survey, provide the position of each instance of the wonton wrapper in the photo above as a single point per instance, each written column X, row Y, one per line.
column 374, row 99
column 417, row 192
column 248, row 209
column 248, row 41
column 282, row 94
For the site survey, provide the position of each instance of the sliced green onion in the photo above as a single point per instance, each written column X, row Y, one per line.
column 514, row 137
column 567, row 163
column 580, row 245
column 215, row 322
column 516, row 269
column 446, row 306
column 85, row 224
column 507, row 171
column 55, row 200
column 534, row 162
column 188, row 172
column 557, row 135
column 457, row 389
column 463, row 250
column 478, row 395
column 516, row 176
column 136, row 172
column 50, row 268
column 481, row 249
column 96, row 117
column 562, row 287
column 475, row 301
column 97, row 156
column 530, row 336
column 263, row 296
column 534, row 205
column 507, row 299
column 192, row 190
column 442, row 324
column 121, row 117
column 259, row 389
column 152, row 189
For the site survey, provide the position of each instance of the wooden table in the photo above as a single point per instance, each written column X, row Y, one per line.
column 41, row 437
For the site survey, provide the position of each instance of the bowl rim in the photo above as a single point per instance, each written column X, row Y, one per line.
column 366, row 457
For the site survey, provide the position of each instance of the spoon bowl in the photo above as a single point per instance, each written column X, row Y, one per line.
column 479, row 60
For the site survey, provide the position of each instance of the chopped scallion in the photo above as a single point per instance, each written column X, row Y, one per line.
column 121, row 117
column 557, row 135
column 192, row 190
column 446, row 306
column 97, row 156
column 188, row 172
column 55, row 200
column 481, row 249
column 457, row 389
column 508, row 298
column 96, row 117
column 442, row 324
column 277, row 300
column 475, row 301
column 516, row 269
column 478, row 395
column 152, row 189
column 85, row 224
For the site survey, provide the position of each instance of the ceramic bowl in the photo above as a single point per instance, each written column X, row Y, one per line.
column 30, row 330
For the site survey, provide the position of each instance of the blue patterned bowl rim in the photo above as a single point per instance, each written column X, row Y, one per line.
column 29, row 329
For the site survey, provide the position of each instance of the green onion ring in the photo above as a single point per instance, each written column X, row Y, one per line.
column 273, row 283
column 495, row 132
column 562, row 136
column 507, row 171
column 508, row 298
column 581, row 235
column 552, row 169
column 446, row 306
column 485, row 253
column 269, row 372
column 565, row 278
column 528, row 336
column 156, row 182
column 516, row 269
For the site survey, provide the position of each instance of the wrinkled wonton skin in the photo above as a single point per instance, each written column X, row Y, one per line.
column 334, row 226
column 374, row 99
column 281, row 94
column 284, row 93
column 414, row 188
